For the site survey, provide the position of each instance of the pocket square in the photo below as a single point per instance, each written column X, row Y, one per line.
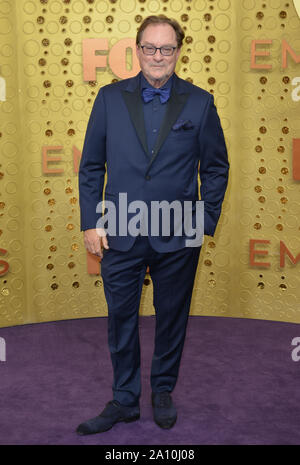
column 183, row 124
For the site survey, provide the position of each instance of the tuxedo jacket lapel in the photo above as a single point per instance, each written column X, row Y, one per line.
column 133, row 100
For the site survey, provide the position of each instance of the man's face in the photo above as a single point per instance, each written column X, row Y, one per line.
column 158, row 68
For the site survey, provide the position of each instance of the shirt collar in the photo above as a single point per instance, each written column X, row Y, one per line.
column 146, row 84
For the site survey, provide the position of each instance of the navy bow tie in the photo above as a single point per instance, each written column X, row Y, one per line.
column 148, row 94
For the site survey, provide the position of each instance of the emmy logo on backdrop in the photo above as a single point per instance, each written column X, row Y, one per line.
column 2, row 89
column 297, row 6
column 2, row 350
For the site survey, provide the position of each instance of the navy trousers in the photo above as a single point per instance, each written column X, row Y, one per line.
column 123, row 274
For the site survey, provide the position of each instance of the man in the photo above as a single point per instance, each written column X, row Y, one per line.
column 149, row 133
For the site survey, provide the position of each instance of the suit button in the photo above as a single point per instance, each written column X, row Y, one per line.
column 148, row 177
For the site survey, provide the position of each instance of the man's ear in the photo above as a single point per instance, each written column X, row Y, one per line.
column 137, row 50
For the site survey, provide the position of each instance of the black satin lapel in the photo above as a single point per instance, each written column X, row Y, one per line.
column 134, row 104
column 174, row 108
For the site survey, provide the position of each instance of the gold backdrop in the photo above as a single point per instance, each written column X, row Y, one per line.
column 44, row 108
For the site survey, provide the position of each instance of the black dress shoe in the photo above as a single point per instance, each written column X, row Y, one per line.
column 113, row 413
column 164, row 411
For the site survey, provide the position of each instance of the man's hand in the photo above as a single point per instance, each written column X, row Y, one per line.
column 95, row 240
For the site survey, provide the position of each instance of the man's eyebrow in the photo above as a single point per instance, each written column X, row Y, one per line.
column 165, row 45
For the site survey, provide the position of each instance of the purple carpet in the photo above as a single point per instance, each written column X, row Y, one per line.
column 237, row 384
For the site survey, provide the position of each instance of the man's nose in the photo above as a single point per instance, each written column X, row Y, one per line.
column 158, row 56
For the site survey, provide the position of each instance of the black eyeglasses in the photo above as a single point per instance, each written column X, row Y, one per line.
column 151, row 50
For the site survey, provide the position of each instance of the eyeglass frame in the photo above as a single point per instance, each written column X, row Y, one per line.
column 158, row 48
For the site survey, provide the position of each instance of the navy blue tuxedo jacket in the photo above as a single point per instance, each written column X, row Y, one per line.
column 116, row 144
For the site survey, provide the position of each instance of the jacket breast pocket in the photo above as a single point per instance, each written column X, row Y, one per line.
column 184, row 133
